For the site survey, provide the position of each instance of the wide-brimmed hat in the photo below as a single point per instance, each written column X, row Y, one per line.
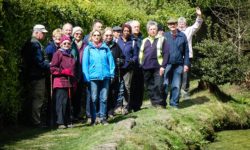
column 39, row 28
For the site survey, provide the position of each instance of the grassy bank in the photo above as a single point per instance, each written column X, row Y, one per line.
column 190, row 127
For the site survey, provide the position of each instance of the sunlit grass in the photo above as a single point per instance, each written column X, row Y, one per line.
column 189, row 127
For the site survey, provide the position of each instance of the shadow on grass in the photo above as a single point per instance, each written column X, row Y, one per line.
column 12, row 135
column 122, row 117
column 196, row 101
column 217, row 92
column 223, row 97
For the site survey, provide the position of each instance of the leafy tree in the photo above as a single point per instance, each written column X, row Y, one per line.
column 218, row 63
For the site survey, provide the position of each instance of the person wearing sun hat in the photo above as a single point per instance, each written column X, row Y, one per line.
column 63, row 69
column 35, row 68
column 178, row 61
column 78, row 46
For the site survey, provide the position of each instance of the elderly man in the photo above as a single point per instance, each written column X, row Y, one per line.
column 178, row 61
column 36, row 67
column 67, row 29
column 116, row 33
column 97, row 25
column 153, row 59
column 189, row 32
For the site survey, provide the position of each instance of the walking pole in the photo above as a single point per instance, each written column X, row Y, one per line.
column 119, row 78
column 70, row 104
column 51, row 101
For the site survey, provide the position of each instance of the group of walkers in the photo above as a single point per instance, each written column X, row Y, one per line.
column 104, row 73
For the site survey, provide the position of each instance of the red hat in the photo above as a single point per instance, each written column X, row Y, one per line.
column 65, row 38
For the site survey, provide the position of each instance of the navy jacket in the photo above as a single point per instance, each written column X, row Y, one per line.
column 152, row 56
column 51, row 49
column 34, row 59
column 178, row 48
column 130, row 51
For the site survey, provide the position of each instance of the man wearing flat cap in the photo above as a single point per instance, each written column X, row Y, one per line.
column 178, row 61
column 116, row 33
column 36, row 67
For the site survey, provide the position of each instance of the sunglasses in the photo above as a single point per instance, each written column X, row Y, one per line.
column 170, row 24
column 96, row 35
column 66, row 43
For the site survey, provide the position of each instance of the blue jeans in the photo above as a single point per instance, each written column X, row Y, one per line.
column 172, row 77
column 99, row 93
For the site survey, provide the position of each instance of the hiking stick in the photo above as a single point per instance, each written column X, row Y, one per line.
column 70, row 103
column 51, row 101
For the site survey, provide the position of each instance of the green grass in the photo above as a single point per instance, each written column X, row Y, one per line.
column 190, row 127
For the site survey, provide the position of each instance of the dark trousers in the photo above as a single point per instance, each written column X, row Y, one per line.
column 77, row 101
column 62, row 106
column 154, row 85
column 37, row 95
column 113, row 95
column 138, row 88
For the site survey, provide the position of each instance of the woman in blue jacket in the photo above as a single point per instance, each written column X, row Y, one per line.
column 98, row 69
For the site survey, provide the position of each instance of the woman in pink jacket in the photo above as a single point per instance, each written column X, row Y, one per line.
column 63, row 70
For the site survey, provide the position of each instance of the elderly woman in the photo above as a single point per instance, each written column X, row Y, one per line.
column 130, row 51
column 98, row 69
column 119, row 61
column 63, row 69
column 78, row 46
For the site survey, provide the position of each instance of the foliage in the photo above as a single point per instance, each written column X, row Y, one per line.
column 218, row 62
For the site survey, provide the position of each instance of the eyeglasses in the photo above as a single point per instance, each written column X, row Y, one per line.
column 78, row 33
column 96, row 35
column 107, row 35
column 66, row 43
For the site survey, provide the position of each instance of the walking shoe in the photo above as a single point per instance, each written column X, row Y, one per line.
column 70, row 126
column 62, row 126
column 125, row 111
column 88, row 121
column 97, row 120
column 118, row 110
column 104, row 122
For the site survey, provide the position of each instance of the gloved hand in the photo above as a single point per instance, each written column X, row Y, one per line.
column 112, row 80
column 66, row 72
column 119, row 62
column 131, row 62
